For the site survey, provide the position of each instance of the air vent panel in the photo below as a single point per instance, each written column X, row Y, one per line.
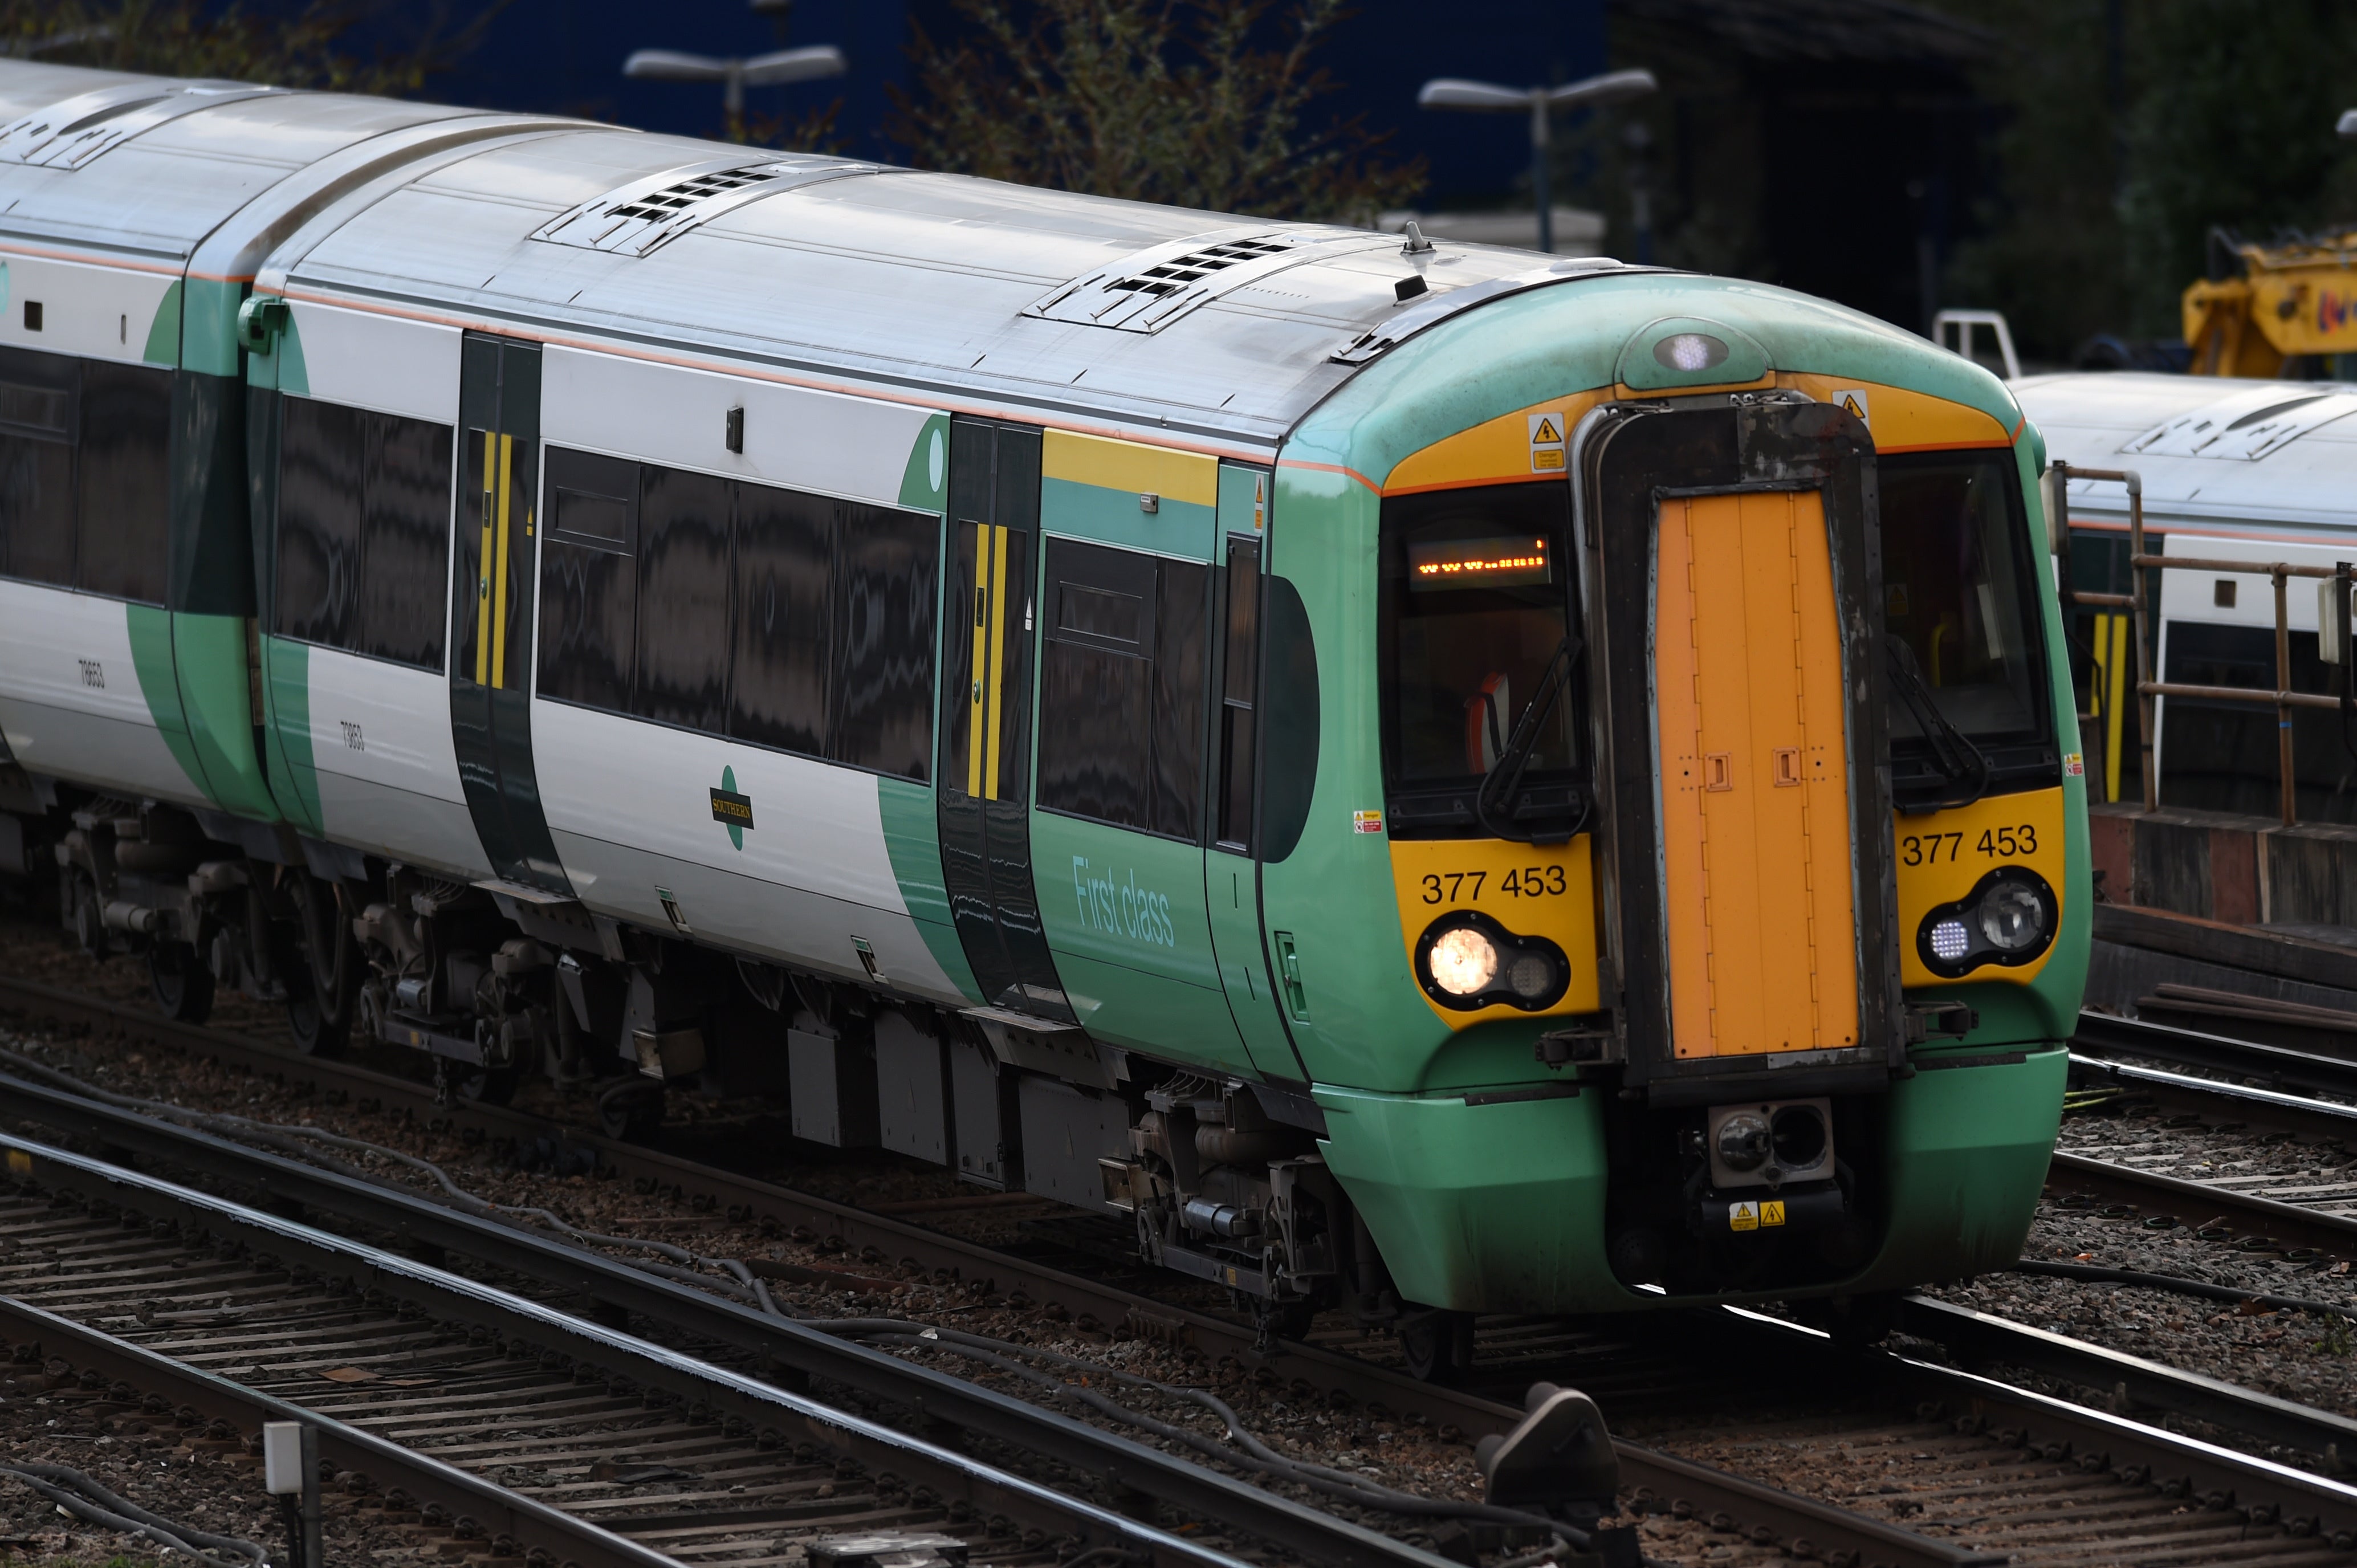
column 651, row 211
column 1148, row 291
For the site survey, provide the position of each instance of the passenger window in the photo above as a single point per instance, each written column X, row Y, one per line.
column 404, row 539
column 38, row 399
column 362, row 530
column 126, row 481
column 588, row 580
column 683, row 566
column 1291, row 769
column 1121, row 689
column 321, row 474
column 779, row 696
column 885, row 569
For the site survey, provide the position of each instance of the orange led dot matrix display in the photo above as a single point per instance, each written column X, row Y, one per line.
column 1508, row 563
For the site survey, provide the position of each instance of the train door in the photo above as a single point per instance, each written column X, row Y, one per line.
column 1231, row 871
column 491, row 605
column 986, row 716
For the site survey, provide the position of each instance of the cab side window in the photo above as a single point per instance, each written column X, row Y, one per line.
column 1121, row 679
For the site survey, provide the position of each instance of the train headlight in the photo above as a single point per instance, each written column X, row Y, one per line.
column 2008, row 918
column 1743, row 1141
column 2012, row 916
column 1690, row 351
column 1466, row 961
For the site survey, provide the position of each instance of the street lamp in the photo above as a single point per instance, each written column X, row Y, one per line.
column 1540, row 103
column 808, row 63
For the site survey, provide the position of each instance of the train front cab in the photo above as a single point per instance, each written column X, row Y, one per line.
column 1693, row 993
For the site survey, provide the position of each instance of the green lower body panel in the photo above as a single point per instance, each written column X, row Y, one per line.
column 287, row 700
column 1499, row 1207
column 1969, row 1148
column 217, row 693
column 1483, row 1208
column 151, row 659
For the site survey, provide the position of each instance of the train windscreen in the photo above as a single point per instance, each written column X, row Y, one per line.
column 1475, row 596
column 1958, row 585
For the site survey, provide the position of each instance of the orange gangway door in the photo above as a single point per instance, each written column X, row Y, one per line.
column 1756, row 827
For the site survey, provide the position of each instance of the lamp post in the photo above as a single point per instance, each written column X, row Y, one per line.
column 1541, row 103
column 808, row 63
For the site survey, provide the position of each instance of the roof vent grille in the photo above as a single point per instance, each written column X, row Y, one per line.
column 1146, row 291
column 653, row 210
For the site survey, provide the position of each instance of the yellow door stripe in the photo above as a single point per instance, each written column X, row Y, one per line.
column 500, row 572
column 483, row 557
column 997, row 653
column 980, row 666
column 2115, row 706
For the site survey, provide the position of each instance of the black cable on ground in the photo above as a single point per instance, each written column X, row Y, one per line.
column 86, row 1499
column 2092, row 1273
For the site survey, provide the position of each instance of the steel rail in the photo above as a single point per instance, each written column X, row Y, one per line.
column 808, row 1352
column 1707, row 1491
column 1981, row 1338
column 516, row 1320
column 2131, row 1450
column 2262, row 1107
column 2285, row 1069
column 2146, row 1191
column 426, row 1479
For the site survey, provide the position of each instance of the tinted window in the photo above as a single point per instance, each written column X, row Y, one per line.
column 404, row 534
column 589, row 581
column 1180, row 655
column 1240, row 643
column 125, row 480
column 321, row 461
column 682, row 664
column 884, row 621
column 783, row 608
column 37, row 465
column 1957, row 586
column 1121, row 689
column 1292, row 721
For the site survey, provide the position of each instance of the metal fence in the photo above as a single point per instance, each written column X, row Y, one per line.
column 2283, row 699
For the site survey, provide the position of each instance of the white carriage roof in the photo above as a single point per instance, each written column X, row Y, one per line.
column 940, row 287
column 150, row 165
column 2241, row 455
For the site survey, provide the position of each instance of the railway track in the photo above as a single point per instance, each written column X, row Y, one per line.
column 501, row 1424
column 2041, row 1476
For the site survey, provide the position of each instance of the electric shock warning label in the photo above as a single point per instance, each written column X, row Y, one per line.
column 1753, row 1216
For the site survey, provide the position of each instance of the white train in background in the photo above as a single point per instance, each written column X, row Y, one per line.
column 2232, row 470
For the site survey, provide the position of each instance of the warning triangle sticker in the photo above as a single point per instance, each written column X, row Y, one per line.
column 1851, row 407
column 1852, row 401
column 1546, row 431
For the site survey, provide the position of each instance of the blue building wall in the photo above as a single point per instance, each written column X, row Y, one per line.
column 566, row 56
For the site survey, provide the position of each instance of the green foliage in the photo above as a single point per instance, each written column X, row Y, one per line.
column 1170, row 100
column 2222, row 113
column 191, row 37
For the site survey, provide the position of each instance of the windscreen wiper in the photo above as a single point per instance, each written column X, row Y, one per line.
column 1952, row 754
column 1504, row 779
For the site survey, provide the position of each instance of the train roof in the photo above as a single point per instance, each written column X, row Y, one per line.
column 2241, row 455
column 149, row 167
column 831, row 270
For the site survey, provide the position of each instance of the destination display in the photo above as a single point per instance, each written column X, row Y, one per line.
column 1511, row 563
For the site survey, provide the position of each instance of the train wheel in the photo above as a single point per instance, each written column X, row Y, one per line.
column 1437, row 1344
column 182, row 985
column 320, row 999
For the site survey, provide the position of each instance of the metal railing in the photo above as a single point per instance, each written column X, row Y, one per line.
column 2283, row 699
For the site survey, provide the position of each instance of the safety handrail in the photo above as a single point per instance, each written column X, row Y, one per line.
column 2283, row 699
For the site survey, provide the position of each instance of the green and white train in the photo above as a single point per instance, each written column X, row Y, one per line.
column 1437, row 779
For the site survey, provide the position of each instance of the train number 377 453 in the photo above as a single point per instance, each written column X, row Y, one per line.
column 1463, row 887
column 1933, row 849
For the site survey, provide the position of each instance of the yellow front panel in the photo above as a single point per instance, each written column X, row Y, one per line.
column 1944, row 854
column 1755, row 802
column 1532, row 890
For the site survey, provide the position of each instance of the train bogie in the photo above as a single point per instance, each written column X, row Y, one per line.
column 1549, row 790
